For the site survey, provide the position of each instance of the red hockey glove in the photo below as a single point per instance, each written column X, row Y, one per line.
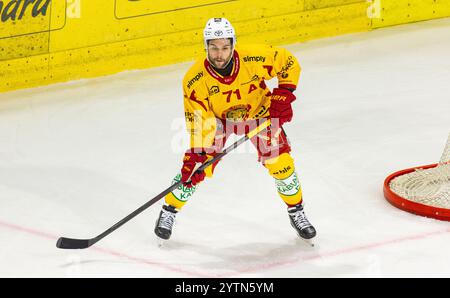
column 280, row 105
column 190, row 161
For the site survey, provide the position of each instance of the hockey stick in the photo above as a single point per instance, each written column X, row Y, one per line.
column 71, row 243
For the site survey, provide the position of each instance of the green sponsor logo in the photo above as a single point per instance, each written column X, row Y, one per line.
column 289, row 186
column 182, row 193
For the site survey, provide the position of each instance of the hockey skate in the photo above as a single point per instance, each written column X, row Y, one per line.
column 300, row 223
column 165, row 222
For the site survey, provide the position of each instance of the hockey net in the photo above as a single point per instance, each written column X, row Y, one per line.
column 422, row 190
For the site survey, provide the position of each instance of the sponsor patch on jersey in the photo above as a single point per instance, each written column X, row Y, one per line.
column 190, row 117
column 254, row 59
column 214, row 90
column 290, row 62
column 254, row 78
column 237, row 113
column 194, row 79
column 261, row 112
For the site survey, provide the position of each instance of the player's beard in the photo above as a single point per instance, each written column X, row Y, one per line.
column 220, row 63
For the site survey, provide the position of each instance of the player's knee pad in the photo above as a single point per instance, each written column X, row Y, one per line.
column 286, row 179
column 179, row 196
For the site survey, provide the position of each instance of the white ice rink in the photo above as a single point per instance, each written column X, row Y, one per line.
column 77, row 157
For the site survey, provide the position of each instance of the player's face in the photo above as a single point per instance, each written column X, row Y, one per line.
column 219, row 52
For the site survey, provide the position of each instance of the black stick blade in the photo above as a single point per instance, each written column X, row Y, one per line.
column 68, row 243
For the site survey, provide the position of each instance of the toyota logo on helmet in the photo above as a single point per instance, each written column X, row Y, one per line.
column 218, row 28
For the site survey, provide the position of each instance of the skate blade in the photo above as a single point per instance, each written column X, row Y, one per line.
column 310, row 242
column 160, row 242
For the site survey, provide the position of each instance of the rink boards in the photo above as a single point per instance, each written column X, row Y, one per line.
column 44, row 41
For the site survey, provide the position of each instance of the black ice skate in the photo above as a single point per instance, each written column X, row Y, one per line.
column 164, row 224
column 300, row 223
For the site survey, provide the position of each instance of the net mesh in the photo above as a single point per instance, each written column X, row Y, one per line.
column 427, row 186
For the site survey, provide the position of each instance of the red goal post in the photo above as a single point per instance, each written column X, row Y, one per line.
column 409, row 205
column 423, row 190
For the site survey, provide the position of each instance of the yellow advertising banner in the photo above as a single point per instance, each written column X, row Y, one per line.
column 25, row 27
column 46, row 41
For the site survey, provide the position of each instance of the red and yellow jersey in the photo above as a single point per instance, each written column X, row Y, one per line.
column 243, row 95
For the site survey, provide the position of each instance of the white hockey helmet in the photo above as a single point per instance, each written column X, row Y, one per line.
column 217, row 28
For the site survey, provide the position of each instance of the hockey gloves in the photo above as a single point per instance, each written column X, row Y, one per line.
column 188, row 171
column 280, row 105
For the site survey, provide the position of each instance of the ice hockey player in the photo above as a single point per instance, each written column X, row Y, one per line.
column 226, row 93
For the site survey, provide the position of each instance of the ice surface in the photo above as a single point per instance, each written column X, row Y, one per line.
column 77, row 157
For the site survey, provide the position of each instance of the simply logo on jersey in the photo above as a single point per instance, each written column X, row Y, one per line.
column 254, row 59
column 16, row 9
column 195, row 79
